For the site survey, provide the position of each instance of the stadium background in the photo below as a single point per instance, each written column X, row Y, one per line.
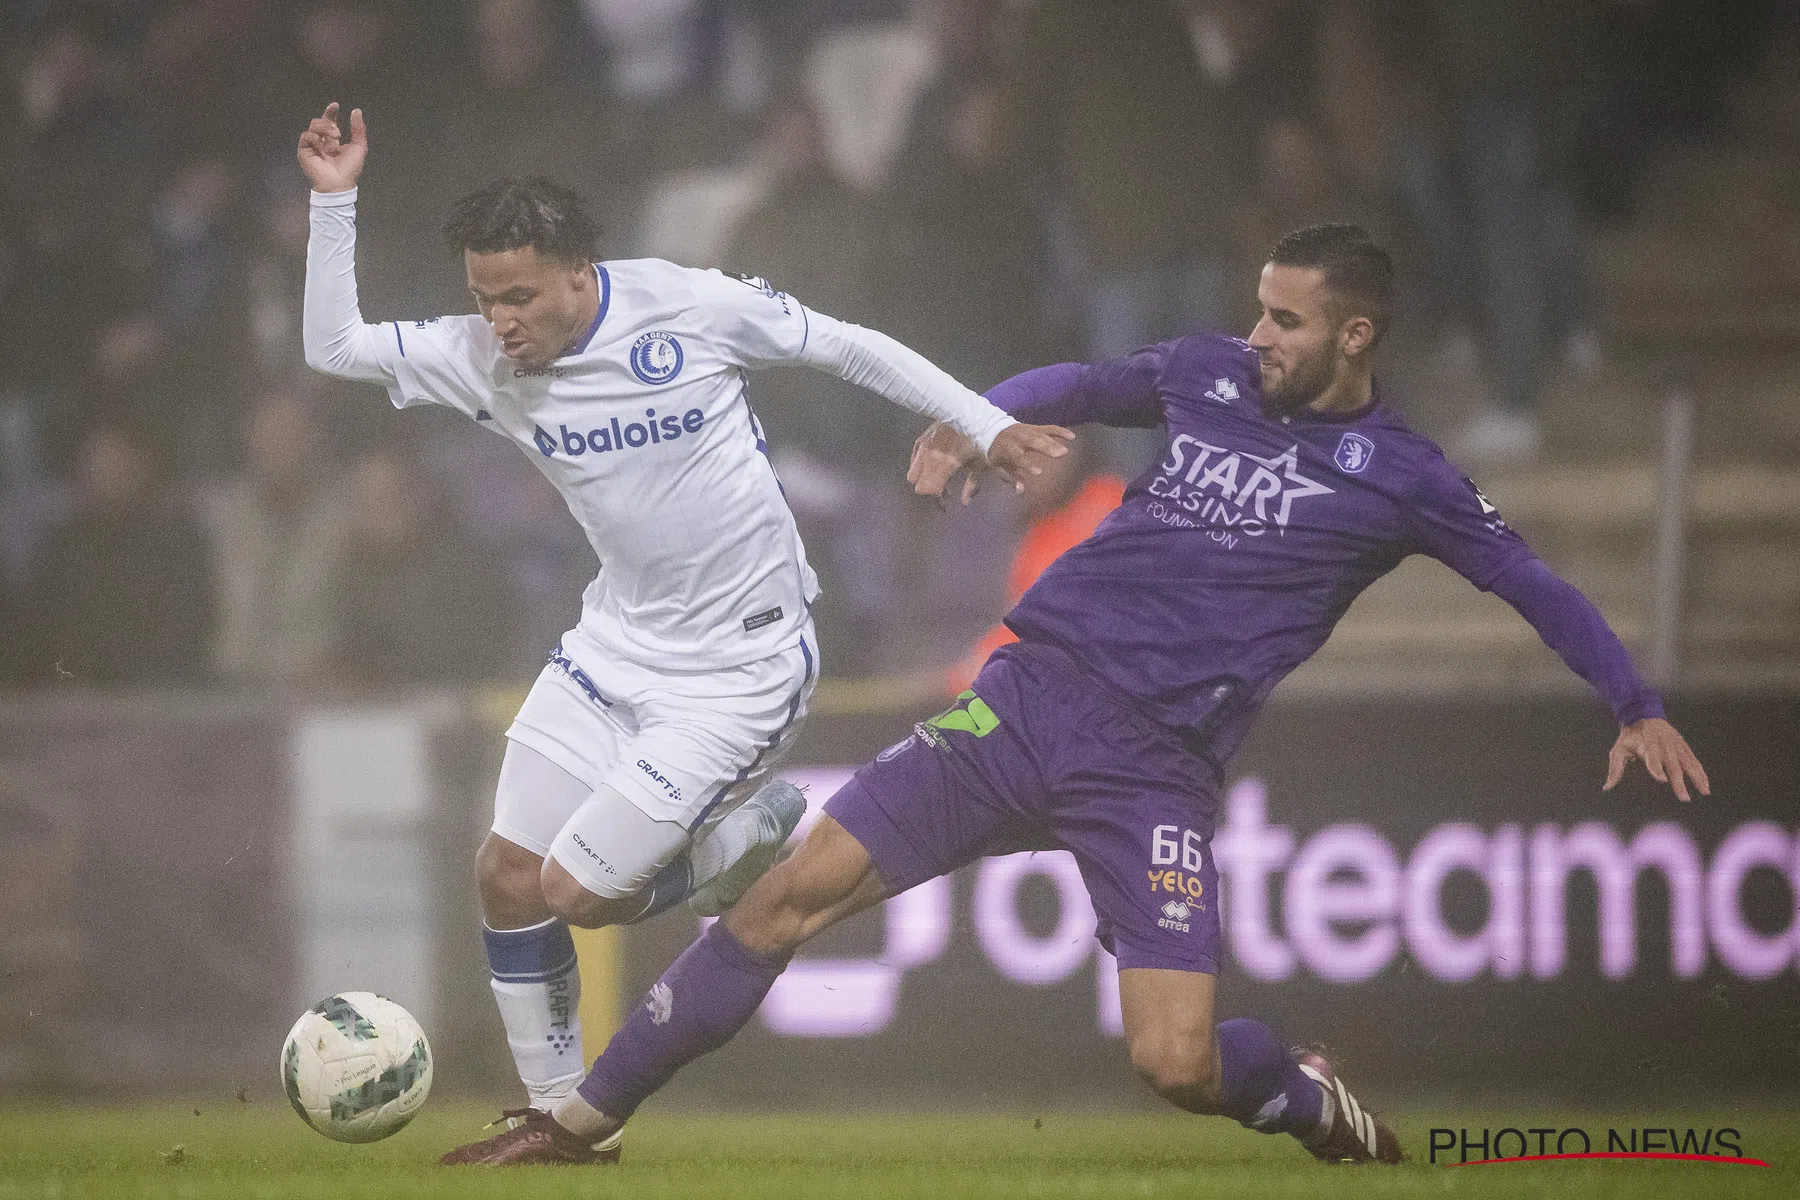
column 259, row 634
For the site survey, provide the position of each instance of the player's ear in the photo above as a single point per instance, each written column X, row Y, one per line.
column 1355, row 336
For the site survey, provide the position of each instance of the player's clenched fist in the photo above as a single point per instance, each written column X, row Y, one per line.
column 330, row 163
column 1017, row 451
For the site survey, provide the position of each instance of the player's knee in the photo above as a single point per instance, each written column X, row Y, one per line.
column 1179, row 1069
column 571, row 902
column 566, row 899
column 507, row 876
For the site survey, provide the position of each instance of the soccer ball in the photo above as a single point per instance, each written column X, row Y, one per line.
column 356, row 1067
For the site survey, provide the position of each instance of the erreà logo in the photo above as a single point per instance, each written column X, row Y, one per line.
column 652, row 431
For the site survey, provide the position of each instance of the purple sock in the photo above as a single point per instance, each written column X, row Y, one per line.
column 1262, row 1087
column 698, row 1005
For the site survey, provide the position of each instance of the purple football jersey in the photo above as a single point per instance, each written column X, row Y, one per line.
column 1231, row 559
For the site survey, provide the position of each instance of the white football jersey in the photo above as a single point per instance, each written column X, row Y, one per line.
column 646, row 430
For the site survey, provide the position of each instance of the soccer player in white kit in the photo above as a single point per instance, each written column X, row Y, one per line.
column 630, row 780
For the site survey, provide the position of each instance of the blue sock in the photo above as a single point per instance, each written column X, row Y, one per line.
column 530, row 955
column 699, row 1004
column 1262, row 1087
column 673, row 884
column 537, row 986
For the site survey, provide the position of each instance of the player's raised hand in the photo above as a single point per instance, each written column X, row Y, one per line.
column 1017, row 452
column 332, row 164
column 1665, row 755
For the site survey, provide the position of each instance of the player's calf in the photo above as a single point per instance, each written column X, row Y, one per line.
column 742, row 847
column 1182, row 1070
column 829, row 878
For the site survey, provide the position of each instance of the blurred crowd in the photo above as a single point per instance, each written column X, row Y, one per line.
column 999, row 183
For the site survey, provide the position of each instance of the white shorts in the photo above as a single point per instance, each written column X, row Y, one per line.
column 683, row 747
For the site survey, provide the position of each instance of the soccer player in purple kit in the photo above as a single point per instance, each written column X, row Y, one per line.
column 1287, row 486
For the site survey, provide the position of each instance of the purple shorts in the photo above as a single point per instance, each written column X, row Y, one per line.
column 1037, row 756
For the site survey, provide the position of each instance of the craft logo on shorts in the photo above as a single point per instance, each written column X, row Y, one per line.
column 591, row 853
column 668, row 785
column 656, row 357
column 1354, row 453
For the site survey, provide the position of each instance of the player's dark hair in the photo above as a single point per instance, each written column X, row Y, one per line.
column 1357, row 271
column 509, row 214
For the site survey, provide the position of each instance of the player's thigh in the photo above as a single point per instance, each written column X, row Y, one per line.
column 1135, row 809
column 937, row 800
column 561, row 746
column 534, row 798
column 611, row 847
column 705, row 741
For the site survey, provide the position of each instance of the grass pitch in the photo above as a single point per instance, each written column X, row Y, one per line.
column 263, row 1152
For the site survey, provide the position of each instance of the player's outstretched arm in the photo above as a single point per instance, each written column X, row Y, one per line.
column 757, row 326
column 873, row 360
column 336, row 339
column 1571, row 625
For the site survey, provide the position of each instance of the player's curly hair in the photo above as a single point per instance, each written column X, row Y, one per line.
column 510, row 213
column 1357, row 271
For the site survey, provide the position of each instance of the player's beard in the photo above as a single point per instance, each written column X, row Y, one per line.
column 1304, row 381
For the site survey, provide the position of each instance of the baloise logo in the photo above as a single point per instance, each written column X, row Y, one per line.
column 653, row 430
